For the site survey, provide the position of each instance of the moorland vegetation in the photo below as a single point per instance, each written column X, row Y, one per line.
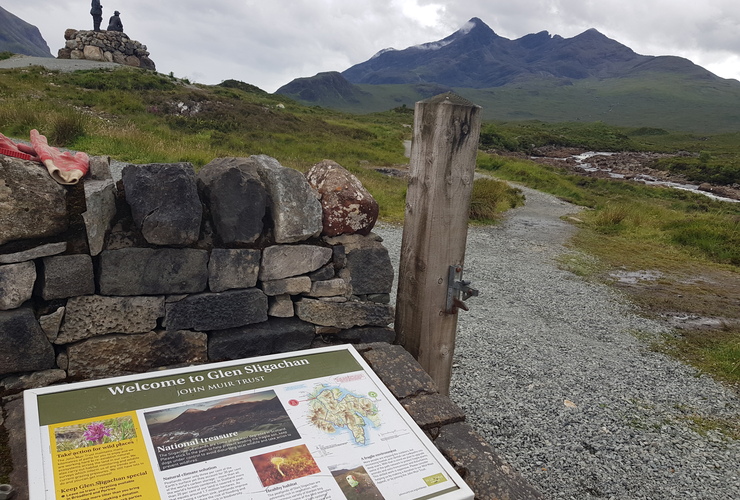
column 693, row 242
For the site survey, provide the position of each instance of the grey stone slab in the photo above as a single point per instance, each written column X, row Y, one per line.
column 100, row 197
column 236, row 198
column 430, row 411
column 365, row 335
column 148, row 271
column 230, row 269
column 164, row 202
column 15, row 425
column 398, row 370
column 330, row 288
column 287, row 286
column 285, row 261
column 51, row 323
column 272, row 336
column 217, row 311
column 16, row 284
column 294, row 205
column 34, row 253
column 14, row 384
column 487, row 474
column 116, row 355
column 370, row 270
column 65, row 276
column 23, row 344
column 34, row 205
column 344, row 315
column 94, row 315
column 281, row 306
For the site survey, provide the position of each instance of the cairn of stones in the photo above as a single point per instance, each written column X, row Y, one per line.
column 105, row 46
column 169, row 267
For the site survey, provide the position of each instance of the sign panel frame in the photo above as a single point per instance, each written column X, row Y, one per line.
column 317, row 423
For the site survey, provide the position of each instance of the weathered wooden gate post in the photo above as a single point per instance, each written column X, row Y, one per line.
column 442, row 170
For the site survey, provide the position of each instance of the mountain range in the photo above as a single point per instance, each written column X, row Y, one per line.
column 19, row 37
column 540, row 76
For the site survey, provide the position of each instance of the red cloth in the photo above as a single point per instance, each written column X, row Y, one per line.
column 10, row 148
column 64, row 168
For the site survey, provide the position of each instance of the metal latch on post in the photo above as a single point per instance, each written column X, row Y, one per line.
column 458, row 291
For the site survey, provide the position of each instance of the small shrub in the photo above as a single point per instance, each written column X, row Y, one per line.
column 491, row 197
column 66, row 127
column 5, row 55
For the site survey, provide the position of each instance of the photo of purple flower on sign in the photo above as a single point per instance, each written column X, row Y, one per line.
column 94, row 433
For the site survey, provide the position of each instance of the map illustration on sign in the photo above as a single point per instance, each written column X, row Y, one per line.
column 333, row 408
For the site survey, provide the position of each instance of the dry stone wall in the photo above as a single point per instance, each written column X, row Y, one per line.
column 170, row 267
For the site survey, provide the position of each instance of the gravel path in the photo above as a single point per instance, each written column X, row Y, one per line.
column 557, row 374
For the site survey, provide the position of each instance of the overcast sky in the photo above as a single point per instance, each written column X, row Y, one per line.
column 268, row 43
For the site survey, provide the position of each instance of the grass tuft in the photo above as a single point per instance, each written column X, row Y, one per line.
column 492, row 197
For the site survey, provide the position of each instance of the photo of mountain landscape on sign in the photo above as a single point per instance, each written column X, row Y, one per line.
column 203, row 431
column 601, row 358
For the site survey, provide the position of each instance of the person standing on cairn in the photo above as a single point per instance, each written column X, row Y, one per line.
column 96, row 11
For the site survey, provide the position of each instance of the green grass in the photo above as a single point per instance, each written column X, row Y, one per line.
column 490, row 198
column 713, row 352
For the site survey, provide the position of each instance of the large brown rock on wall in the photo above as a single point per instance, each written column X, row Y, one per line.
column 347, row 207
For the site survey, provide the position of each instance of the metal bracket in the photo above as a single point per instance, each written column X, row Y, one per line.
column 458, row 291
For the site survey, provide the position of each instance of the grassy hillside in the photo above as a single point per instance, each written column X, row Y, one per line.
column 644, row 99
column 143, row 117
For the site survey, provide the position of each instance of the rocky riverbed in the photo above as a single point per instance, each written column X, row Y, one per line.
column 627, row 165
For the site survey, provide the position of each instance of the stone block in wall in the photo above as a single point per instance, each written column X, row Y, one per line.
column 294, row 205
column 347, row 207
column 430, row 411
column 14, row 384
column 369, row 270
column 233, row 268
column 237, row 199
column 100, row 198
column 398, row 370
column 116, row 355
column 330, row 288
column 65, row 276
column 479, row 465
column 216, row 311
column 325, row 273
column 272, row 336
column 285, row 261
column 148, row 271
column 345, row 314
column 287, row 286
column 92, row 53
column 33, row 204
column 94, row 315
column 23, row 344
column 363, row 335
column 164, row 202
column 38, row 252
column 281, row 306
column 16, row 284
column 100, row 168
column 52, row 322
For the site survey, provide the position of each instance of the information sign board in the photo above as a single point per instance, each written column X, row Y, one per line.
column 314, row 424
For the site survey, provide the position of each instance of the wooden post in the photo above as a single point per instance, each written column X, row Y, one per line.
column 441, row 174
